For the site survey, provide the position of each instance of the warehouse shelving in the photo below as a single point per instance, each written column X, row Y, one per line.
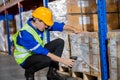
column 9, row 4
column 12, row 7
column 103, row 38
column 102, row 30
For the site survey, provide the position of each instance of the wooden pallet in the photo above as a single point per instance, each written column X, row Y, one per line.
column 85, row 76
column 78, row 75
column 86, row 43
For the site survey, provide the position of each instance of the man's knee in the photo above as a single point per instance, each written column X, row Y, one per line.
column 60, row 41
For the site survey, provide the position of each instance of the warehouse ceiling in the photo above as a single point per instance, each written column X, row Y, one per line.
column 27, row 5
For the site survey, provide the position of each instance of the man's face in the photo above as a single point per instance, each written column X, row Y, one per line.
column 40, row 25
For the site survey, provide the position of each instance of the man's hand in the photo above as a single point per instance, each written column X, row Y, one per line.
column 68, row 62
column 76, row 31
column 71, row 28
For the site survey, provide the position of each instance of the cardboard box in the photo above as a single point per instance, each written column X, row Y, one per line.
column 89, row 22
column 112, row 21
column 11, row 25
column 111, row 6
column 84, row 22
column 89, row 6
column 81, row 6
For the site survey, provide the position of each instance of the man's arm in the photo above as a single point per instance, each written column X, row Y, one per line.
column 67, row 62
column 70, row 28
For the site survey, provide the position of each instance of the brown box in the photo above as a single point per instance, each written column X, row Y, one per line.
column 118, row 4
column 84, row 22
column 111, row 5
column 112, row 21
column 89, row 22
column 90, row 6
column 73, row 20
column 81, row 6
column 11, row 25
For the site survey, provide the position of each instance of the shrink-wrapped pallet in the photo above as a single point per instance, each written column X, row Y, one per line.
column 25, row 16
column 86, row 47
column 114, row 55
column 63, row 35
column 2, row 37
column 59, row 10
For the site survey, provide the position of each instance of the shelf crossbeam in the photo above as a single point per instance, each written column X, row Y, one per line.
column 8, row 32
column 45, row 3
column 20, row 8
column 9, row 4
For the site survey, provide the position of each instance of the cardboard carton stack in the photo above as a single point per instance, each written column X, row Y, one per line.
column 78, row 16
column 82, row 14
column 12, row 26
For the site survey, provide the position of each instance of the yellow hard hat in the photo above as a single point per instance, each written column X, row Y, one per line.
column 43, row 14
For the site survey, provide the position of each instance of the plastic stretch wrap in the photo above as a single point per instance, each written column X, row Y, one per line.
column 86, row 47
column 2, row 37
column 25, row 16
column 59, row 10
column 63, row 35
column 114, row 55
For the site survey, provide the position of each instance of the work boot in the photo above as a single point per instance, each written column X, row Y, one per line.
column 53, row 75
column 29, row 76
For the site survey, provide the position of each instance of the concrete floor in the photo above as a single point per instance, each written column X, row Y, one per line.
column 9, row 70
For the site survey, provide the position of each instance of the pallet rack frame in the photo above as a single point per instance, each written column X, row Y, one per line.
column 102, row 34
column 102, row 24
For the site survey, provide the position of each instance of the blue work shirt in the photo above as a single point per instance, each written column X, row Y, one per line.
column 26, row 39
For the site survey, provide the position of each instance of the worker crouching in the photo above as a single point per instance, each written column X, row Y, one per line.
column 32, row 53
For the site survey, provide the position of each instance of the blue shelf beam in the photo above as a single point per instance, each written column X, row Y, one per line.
column 20, row 8
column 102, row 22
column 7, row 17
column 8, row 32
column 45, row 3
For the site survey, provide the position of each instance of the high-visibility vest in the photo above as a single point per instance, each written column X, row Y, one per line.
column 20, row 53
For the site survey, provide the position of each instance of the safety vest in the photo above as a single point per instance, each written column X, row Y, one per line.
column 20, row 53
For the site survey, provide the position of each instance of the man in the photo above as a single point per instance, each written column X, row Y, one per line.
column 31, row 52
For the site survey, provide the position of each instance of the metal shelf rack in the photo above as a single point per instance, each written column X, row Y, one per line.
column 102, row 22
column 102, row 31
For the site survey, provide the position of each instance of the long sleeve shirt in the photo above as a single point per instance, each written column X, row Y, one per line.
column 26, row 39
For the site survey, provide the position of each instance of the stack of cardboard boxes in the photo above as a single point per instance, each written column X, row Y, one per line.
column 82, row 14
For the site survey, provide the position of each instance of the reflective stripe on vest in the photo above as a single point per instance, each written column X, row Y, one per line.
column 20, row 53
